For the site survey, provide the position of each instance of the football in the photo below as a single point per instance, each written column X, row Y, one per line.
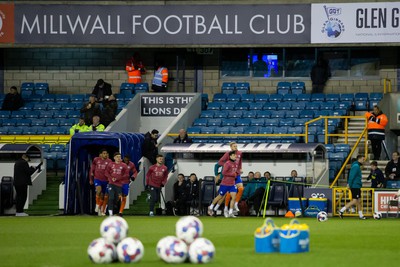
column 377, row 215
column 322, row 216
column 172, row 249
column 114, row 229
column 188, row 228
column 130, row 250
column 101, row 251
column 201, row 250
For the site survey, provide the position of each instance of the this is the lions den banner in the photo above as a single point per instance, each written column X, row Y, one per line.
column 355, row 23
column 160, row 105
column 161, row 25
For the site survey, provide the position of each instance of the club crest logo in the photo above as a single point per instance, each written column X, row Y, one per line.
column 333, row 27
column 2, row 17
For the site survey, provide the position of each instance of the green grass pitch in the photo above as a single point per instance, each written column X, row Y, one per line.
column 63, row 240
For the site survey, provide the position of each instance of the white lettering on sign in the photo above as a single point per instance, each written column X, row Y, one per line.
column 164, row 105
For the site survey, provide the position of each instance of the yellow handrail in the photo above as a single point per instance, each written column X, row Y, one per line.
column 387, row 82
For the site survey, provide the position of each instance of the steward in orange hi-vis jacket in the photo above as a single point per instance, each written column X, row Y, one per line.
column 135, row 69
column 376, row 130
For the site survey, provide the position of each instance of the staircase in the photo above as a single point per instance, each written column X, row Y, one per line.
column 47, row 202
column 140, row 206
column 356, row 125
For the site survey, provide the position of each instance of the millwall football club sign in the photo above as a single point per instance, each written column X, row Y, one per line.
column 355, row 23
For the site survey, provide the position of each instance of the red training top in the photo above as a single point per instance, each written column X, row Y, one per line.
column 157, row 175
column 230, row 171
column 225, row 158
column 117, row 173
column 98, row 168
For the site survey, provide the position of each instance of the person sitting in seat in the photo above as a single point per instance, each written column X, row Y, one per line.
column 254, row 191
column 96, row 125
column 12, row 100
column 179, row 204
column 79, row 127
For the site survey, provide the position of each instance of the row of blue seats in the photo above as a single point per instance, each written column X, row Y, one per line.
column 317, row 105
column 53, row 148
column 246, row 129
column 261, row 122
column 44, row 122
column 221, row 97
column 34, row 130
column 55, row 160
column 34, row 114
column 65, row 98
column 306, row 113
column 28, row 88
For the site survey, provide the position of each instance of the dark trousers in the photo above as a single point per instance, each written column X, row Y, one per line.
column 180, row 205
column 376, row 145
column 113, row 194
column 154, row 196
column 257, row 198
column 159, row 89
column 317, row 88
column 22, row 194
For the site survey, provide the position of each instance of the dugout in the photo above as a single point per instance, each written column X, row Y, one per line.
column 310, row 160
column 9, row 153
column 77, row 196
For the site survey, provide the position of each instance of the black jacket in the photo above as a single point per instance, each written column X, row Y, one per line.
column 89, row 113
column 109, row 112
column 102, row 92
column 392, row 167
column 180, row 191
column 186, row 139
column 192, row 190
column 22, row 173
column 149, row 149
column 12, row 102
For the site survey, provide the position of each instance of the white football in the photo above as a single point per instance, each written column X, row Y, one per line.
column 130, row 250
column 201, row 250
column 188, row 228
column 377, row 215
column 322, row 216
column 114, row 229
column 172, row 250
column 101, row 251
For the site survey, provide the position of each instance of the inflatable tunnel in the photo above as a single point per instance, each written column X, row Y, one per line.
column 79, row 195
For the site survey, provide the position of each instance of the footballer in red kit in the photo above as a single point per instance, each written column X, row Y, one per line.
column 156, row 178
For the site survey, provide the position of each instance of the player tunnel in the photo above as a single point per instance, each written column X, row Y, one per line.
column 79, row 195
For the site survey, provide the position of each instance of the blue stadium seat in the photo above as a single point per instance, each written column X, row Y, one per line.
column 61, row 160
column 62, row 98
column 229, row 122
column 299, row 86
column 207, row 130
column 327, row 106
column 318, row 97
column 27, row 86
column 235, row 114
column 78, row 98
column 222, row 130
column 304, row 98
column 14, row 130
column 375, row 96
column 241, row 106
column 306, row 114
column 71, row 106
column 41, row 91
column 200, row 122
column 54, row 106
column 221, row 114
column 342, row 148
column 28, row 106
column 264, row 113
column 300, row 122
column 9, row 122
column 23, row 122
column 52, row 122
column 361, row 101
column 214, row 106
column 46, row 114
column 34, row 98
column 243, row 85
column 4, row 130
column 258, row 122
column 249, row 98
column 40, row 106
column 249, row 114
column 275, row 98
column 283, row 84
column 347, row 97
column 299, row 105
column 227, row 90
column 340, row 112
column 26, row 93
column 227, row 106
column 207, row 114
column 270, row 106
column 292, row 113
column 243, row 122
column 142, row 87
column 324, row 112
column 193, row 130
column 256, row 106
column 332, row 97
column 67, row 122
column 281, row 114
column 38, row 122
column 343, row 105
column 297, row 90
column 313, row 106
column 57, row 148
column 285, row 106
column 62, row 114
column 233, row 98
column 44, row 130
column 241, row 91
column 18, row 114
column 271, row 122
column 286, row 122
column 51, row 159
column 261, row 97
column 290, row 97
column 219, row 97
column 229, row 84
column 5, row 114
column 237, row 130
column 214, row 122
